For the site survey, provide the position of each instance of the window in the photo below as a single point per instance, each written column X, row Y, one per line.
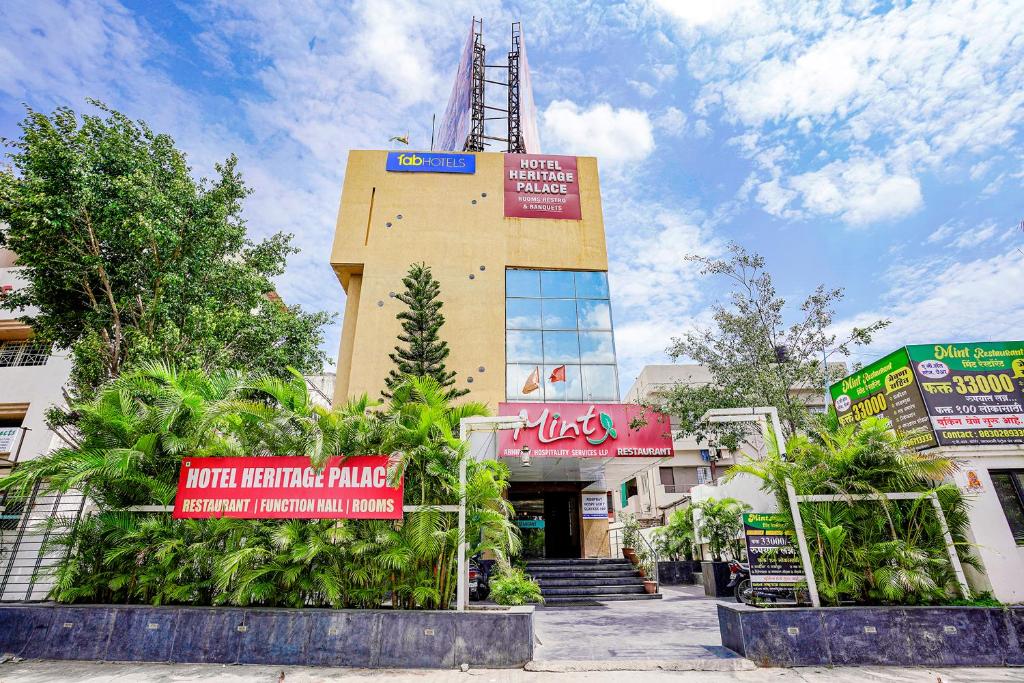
column 1009, row 488
column 555, row 318
column 23, row 353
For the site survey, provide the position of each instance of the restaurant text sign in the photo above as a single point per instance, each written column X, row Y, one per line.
column 542, row 186
column 586, row 430
column 287, row 487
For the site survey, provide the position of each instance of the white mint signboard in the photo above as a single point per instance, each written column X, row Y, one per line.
column 595, row 506
column 8, row 435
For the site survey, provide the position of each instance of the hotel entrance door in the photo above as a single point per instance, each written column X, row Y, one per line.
column 548, row 520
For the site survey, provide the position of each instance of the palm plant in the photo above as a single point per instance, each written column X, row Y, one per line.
column 720, row 523
column 136, row 430
column 878, row 550
column 677, row 538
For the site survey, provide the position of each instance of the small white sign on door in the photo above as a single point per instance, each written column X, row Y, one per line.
column 595, row 506
column 8, row 435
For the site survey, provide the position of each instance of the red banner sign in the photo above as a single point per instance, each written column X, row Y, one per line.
column 287, row 487
column 585, row 430
column 541, row 186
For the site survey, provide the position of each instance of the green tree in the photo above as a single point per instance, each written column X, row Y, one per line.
column 130, row 259
column 128, row 444
column 676, row 540
column 422, row 352
column 719, row 523
column 754, row 356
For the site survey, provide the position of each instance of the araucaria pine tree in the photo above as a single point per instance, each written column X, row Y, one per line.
column 422, row 352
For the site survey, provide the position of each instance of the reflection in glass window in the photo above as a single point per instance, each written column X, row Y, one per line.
column 559, row 317
column 556, row 284
column 594, row 314
column 561, row 347
column 599, row 383
column 559, row 314
column 524, row 346
column 569, row 390
column 522, row 314
column 592, row 285
column 516, row 375
column 596, row 347
column 522, row 283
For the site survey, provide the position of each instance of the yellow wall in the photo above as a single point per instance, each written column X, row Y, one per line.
column 441, row 226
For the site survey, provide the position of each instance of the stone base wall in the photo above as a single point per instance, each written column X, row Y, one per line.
column 857, row 636
column 311, row 637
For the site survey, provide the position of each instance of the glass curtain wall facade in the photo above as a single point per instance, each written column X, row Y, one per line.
column 555, row 318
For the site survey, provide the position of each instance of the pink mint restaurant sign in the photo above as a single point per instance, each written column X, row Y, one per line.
column 585, row 430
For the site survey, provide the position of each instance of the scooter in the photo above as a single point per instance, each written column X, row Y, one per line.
column 479, row 578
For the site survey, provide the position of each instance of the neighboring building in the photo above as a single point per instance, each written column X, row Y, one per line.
column 31, row 381
column 652, row 493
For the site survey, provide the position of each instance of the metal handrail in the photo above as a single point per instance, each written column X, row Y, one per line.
column 654, row 561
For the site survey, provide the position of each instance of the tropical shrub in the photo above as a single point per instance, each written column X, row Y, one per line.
column 631, row 532
column 127, row 453
column 877, row 551
column 513, row 587
column 676, row 540
column 720, row 524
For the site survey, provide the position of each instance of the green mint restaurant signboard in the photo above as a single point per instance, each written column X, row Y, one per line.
column 974, row 393
column 886, row 388
column 775, row 567
column 942, row 394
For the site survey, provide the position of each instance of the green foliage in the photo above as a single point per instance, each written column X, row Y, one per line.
column 755, row 358
column 424, row 352
column 719, row 523
column 130, row 260
column 513, row 587
column 676, row 540
column 630, row 531
column 870, row 552
column 130, row 442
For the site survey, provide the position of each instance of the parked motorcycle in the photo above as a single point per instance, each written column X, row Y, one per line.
column 739, row 581
column 479, row 577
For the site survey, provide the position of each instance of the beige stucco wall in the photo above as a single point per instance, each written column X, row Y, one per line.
column 457, row 238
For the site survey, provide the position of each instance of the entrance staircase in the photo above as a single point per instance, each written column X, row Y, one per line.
column 587, row 582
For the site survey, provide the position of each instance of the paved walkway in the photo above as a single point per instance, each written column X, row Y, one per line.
column 88, row 672
column 681, row 626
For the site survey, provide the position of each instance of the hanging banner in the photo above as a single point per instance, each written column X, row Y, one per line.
column 542, row 186
column 287, row 487
column 453, row 128
column 8, row 436
column 527, row 106
column 974, row 392
column 585, row 430
column 774, row 560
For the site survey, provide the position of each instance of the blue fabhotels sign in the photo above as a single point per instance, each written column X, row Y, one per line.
column 431, row 162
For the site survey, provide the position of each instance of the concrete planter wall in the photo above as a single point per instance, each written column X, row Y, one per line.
column 716, row 579
column 313, row 637
column 676, row 572
column 896, row 636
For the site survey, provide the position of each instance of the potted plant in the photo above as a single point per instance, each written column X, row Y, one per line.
column 646, row 570
column 675, row 543
column 719, row 524
column 630, row 537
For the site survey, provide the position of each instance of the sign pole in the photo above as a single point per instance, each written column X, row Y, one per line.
column 462, row 584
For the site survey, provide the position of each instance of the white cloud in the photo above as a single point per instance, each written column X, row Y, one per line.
column 615, row 136
column 644, row 88
column 927, row 85
column 858, row 192
column 672, row 122
column 976, row 236
column 943, row 300
column 942, row 232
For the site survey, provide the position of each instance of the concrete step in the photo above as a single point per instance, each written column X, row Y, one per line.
column 557, row 574
column 587, row 562
column 555, row 601
column 592, row 581
column 591, row 590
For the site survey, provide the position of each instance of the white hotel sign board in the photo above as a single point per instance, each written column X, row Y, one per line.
column 595, row 506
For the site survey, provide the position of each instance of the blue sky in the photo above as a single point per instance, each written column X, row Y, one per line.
column 873, row 146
